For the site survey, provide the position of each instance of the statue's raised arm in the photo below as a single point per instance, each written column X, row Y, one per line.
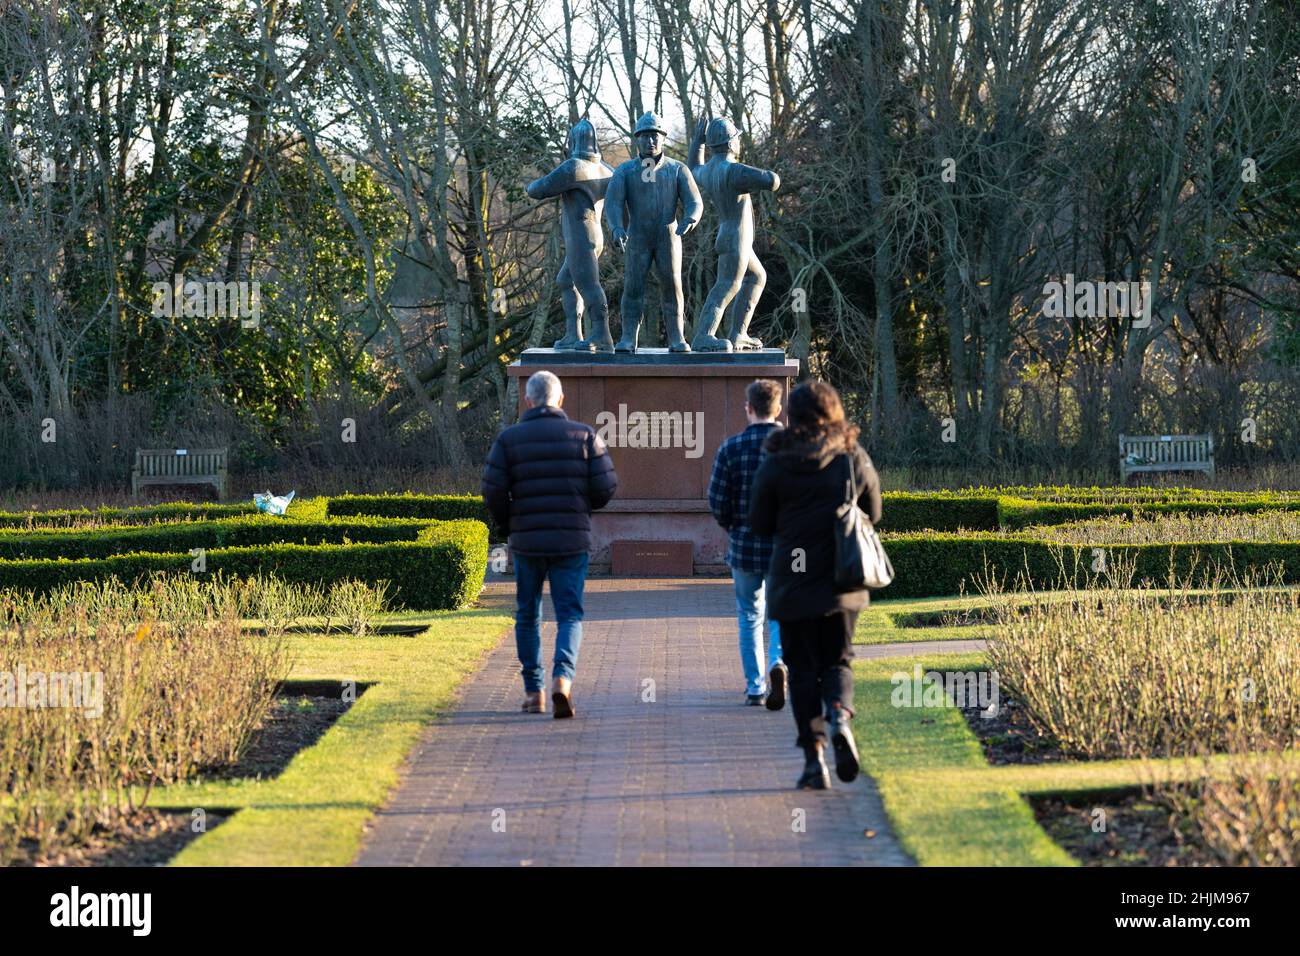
column 695, row 154
column 557, row 181
column 741, row 277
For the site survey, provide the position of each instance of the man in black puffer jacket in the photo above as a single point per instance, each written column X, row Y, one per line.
column 544, row 478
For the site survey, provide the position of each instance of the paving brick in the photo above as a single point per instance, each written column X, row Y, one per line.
column 693, row 778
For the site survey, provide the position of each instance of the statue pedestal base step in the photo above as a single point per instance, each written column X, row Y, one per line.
column 663, row 416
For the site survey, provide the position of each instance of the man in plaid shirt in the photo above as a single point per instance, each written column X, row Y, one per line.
column 748, row 554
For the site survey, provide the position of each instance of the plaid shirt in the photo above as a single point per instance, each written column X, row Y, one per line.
column 733, row 476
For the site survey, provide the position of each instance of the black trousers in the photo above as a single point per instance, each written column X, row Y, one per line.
column 819, row 652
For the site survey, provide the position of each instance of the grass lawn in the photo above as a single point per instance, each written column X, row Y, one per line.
column 947, row 805
column 879, row 623
column 314, row 813
column 884, row 620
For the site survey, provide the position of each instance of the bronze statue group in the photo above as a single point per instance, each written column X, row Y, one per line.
column 640, row 201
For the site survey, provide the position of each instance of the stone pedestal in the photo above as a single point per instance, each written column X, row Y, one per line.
column 663, row 416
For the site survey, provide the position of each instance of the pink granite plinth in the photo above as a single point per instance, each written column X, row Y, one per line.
column 663, row 424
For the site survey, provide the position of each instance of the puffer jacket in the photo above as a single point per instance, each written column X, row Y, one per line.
column 796, row 491
column 544, row 477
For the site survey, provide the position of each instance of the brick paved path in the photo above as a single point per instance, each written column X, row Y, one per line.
column 694, row 777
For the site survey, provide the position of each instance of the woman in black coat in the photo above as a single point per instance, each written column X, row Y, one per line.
column 802, row 481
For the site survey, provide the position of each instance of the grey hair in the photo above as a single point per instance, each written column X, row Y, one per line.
column 544, row 389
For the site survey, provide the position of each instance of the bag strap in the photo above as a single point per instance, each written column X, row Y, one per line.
column 850, row 484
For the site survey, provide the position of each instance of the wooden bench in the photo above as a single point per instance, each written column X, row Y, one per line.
column 1138, row 453
column 179, row 466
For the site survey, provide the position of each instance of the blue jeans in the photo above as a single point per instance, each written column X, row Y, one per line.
column 568, row 575
column 751, row 609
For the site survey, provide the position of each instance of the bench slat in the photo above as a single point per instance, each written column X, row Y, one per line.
column 160, row 466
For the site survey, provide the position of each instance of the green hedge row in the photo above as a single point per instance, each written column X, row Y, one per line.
column 443, row 569
column 428, row 507
column 1119, row 494
column 904, row 511
column 173, row 511
column 238, row 532
column 937, row 511
column 943, row 564
column 1017, row 513
column 987, row 509
column 461, row 548
column 969, row 509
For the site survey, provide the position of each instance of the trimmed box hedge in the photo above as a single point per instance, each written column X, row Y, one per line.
column 904, row 511
column 943, row 564
column 238, row 532
column 970, row 509
column 429, row 507
column 461, row 548
column 1017, row 513
column 302, row 509
column 1118, row 494
column 937, row 511
column 1096, row 493
column 1011, row 509
column 442, row 569
column 435, row 507
column 174, row 511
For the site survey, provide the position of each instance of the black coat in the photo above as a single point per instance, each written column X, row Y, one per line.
column 544, row 477
column 796, row 491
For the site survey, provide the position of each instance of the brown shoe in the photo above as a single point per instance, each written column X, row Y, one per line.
column 562, row 697
column 534, row 703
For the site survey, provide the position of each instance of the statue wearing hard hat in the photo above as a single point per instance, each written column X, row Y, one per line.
column 740, row 277
column 641, row 209
column 581, row 182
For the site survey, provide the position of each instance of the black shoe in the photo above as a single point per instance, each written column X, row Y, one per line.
column 776, row 681
column 815, row 776
column 754, row 700
column 846, row 748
